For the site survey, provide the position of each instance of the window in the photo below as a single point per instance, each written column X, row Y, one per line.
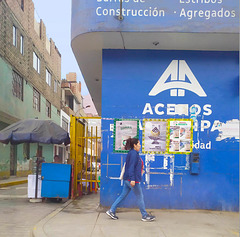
column 55, row 86
column 48, row 109
column 60, row 153
column 36, row 62
column 21, row 44
column 15, row 36
column 48, row 77
column 22, row 5
column 39, row 151
column 65, row 124
column 17, row 84
column 26, row 150
column 36, row 100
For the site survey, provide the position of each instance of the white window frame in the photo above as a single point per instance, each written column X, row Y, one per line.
column 65, row 123
column 14, row 35
column 22, row 44
column 48, row 77
column 55, row 86
column 36, row 62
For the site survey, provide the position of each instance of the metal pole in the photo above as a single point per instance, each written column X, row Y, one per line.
column 86, row 188
column 91, row 159
column 36, row 187
column 96, row 153
column 120, row 17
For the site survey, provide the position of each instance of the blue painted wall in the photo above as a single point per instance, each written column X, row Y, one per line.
column 128, row 77
column 157, row 16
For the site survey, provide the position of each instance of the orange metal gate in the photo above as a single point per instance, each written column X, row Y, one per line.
column 85, row 151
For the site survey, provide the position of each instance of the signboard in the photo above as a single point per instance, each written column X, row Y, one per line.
column 179, row 85
column 154, row 136
column 167, row 84
column 124, row 129
column 218, row 16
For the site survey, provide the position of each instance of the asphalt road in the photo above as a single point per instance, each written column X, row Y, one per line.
column 18, row 215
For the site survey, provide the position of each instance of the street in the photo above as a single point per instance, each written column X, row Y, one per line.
column 17, row 214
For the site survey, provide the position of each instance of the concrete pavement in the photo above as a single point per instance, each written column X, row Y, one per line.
column 18, row 215
column 84, row 217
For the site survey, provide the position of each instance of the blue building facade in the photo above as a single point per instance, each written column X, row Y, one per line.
column 189, row 66
column 127, row 82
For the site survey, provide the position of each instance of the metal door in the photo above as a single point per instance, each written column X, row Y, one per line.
column 55, row 180
column 85, row 151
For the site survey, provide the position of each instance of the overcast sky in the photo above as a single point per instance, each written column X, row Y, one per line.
column 56, row 15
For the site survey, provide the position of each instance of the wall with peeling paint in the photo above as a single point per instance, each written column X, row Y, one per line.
column 4, row 161
column 128, row 78
column 24, row 165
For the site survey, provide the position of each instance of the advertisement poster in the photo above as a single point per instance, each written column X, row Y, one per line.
column 180, row 136
column 124, row 129
column 154, row 136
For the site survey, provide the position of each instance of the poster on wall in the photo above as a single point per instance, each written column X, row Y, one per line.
column 180, row 136
column 124, row 129
column 154, row 136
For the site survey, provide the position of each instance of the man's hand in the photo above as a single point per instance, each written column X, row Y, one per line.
column 132, row 183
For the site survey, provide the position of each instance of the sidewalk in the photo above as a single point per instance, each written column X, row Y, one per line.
column 84, row 217
column 13, row 180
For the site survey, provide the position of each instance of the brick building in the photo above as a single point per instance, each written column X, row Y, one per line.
column 30, row 78
column 72, row 99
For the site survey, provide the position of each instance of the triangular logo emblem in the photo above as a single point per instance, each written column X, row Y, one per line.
column 177, row 70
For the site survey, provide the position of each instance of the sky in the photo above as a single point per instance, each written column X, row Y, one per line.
column 56, row 15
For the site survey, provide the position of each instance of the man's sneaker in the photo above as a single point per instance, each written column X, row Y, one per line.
column 111, row 214
column 148, row 217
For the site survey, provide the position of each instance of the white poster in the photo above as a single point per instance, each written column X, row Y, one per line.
column 154, row 136
column 124, row 129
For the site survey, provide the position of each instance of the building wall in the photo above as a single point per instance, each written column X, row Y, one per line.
column 128, row 77
column 12, row 108
column 65, row 124
column 33, row 42
column 9, row 107
column 74, row 85
column 4, row 161
column 26, row 165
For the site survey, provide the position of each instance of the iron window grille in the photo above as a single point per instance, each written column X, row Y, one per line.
column 17, row 84
column 36, row 100
column 48, row 108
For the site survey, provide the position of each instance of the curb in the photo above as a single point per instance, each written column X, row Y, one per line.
column 2, row 185
column 38, row 229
